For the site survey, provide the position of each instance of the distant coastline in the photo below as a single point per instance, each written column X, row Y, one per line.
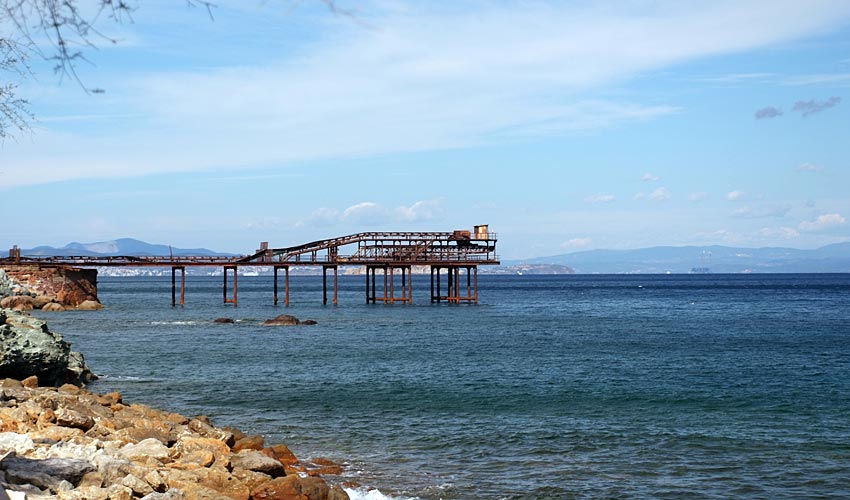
column 833, row 258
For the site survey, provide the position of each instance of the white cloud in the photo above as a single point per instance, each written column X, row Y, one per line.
column 367, row 212
column 823, row 222
column 735, row 195
column 371, row 213
column 762, row 211
column 419, row 211
column 719, row 235
column 817, row 79
column 577, row 243
column 698, row 196
column 600, row 198
column 414, row 76
column 648, row 177
column 786, row 233
column 320, row 217
column 810, row 167
column 660, row 194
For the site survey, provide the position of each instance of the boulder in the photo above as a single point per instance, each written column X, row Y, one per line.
column 249, row 443
column 223, row 320
column 292, row 488
column 89, row 305
column 53, row 307
column 309, row 322
column 202, row 426
column 28, row 347
column 258, row 462
column 147, row 448
column 19, row 443
column 283, row 454
column 198, row 450
column 282, row 320
column 138, row 486
column 323, row 466
column 39, row 301
column 172, row 494
column 74, row 419
column 45, row 474
column 77, row 372
column 15, row 301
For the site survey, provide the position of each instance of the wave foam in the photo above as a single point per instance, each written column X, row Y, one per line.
column 123, row 378
column 372, row 494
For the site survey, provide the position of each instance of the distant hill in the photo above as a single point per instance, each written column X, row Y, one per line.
column 122, row 246
column 718, row 259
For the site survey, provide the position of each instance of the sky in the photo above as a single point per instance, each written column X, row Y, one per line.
column 564, row 125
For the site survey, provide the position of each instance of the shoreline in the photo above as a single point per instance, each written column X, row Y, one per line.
column 62, row 441
column 68, row 443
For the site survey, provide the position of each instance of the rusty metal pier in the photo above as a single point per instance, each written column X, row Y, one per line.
column 450, row 255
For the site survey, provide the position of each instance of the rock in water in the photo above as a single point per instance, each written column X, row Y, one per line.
column 282, row 320
column 28, row 347
column 89, row 305
column 223, row 320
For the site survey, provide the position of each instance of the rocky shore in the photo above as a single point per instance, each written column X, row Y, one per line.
column 70, row 444
column 50, row 289
column 59, row 441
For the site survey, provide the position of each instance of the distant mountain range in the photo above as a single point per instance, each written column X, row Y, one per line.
column 122, row 246
column 715, row 259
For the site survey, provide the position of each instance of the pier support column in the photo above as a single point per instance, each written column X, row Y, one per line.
column 336, row 285
column 324, row 285
column 275, row 284
column 371, row 285
column 235, row 285
column 286, row 286
column 182, row 270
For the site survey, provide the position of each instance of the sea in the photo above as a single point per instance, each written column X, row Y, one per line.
column 551, row 387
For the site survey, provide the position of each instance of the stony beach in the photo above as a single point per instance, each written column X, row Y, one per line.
column 70, row 444
column 60, row 441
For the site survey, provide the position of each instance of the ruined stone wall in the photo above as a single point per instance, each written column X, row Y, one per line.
column 65, row 285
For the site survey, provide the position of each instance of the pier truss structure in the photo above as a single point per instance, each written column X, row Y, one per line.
column 449, row 255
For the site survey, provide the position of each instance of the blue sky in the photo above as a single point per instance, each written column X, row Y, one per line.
column 566, row 126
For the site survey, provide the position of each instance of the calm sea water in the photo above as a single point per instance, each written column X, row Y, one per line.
column 703, row 386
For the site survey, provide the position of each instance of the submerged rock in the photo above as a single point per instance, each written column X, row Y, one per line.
column 223, row 320
column 282, row 320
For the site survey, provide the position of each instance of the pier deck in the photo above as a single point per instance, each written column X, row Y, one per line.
column 389, row 252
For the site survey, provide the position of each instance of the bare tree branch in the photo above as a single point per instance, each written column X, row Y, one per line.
column 67, row 32
column 14, row 111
